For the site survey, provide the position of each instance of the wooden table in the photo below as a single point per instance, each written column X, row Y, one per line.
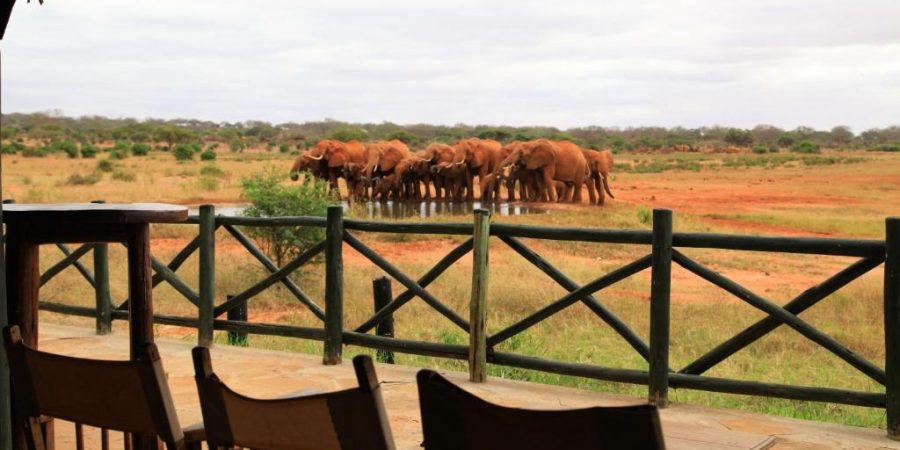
column 28, row 226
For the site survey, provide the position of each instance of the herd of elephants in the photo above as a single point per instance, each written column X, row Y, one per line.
column 540, row 170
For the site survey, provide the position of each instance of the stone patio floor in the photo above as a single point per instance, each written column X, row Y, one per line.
column 266, row 373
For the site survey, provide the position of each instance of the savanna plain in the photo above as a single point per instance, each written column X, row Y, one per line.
column 844, row 194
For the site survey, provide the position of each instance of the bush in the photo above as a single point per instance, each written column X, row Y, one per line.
column 140, row 149
column 760, row 149
column 13, row 148
column 805, row 146
column 212, row 171
column 123, row 176
column 887, row 147
column 284, row 148
column 212, row 147
column 118, row 154
column 236, row 145
column 35, row 152
column 69, row 147
column 208, row 155
column 84, row 180
column 88, row 151
column 105, row 165
column 270, row 198
column 183, row 152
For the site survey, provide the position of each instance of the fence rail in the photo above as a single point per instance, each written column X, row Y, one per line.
column 664, row 248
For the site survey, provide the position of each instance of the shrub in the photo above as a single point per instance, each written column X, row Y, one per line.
column 118, row 154
column 805, row 146
column 208, row 155
column 84, row 180
column 212, row 171
column 183, row 152
column 887, row 147
column 270, row 146
column 212, row 147
column 236, row 145
column 13, row 148
column 69, row 147
column 140, row 149
column 197, row 148
column 105, row 165
column 35, row 152
column 760, row 149
column 270, row 198
column 88, row 151
column 123, row 176
column 644, row 214
column 284, row 148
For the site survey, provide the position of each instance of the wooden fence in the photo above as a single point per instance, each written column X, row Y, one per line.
column 665, row 246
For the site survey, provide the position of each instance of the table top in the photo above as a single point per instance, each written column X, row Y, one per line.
column 84, row 213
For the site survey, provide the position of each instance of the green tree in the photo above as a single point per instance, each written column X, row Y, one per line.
column 270, row 197
column 735, row 136
column 841, row 135
column 349, row 133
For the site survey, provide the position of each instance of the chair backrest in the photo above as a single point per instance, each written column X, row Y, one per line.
column 453, row 418
column 130, row 396
column 352, row 419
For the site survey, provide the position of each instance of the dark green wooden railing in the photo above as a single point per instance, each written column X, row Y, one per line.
column 664, row 244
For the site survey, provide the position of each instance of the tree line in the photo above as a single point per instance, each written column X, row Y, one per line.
column 51, row 131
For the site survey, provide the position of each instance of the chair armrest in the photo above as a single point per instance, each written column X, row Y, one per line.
column 194, row 434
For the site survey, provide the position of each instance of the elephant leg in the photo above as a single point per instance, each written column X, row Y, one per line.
column 601, row 194
column 549, row 185
column 576, row 190
column 592, row 192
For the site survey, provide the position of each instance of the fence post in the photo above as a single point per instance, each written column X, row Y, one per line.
column 101, row 287
column 207, row 275
column 237, row 314
column 661, row 281
column 892, row 325
column 478, row 303
column 381, row 289
column 334, row 285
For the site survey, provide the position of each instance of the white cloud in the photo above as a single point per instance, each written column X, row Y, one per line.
column 562, row 63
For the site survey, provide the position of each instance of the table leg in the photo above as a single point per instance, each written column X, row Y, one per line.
column 140, row 311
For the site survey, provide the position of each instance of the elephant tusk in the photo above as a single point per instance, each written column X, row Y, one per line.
column 313, row 157
column 429, row 159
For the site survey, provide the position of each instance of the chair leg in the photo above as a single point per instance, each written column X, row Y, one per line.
column 79, row 437
column 33, row 436
column 104, row 439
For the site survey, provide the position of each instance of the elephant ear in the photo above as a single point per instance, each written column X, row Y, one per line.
column 541, row 155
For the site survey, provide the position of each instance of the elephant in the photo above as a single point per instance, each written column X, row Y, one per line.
column 303, row 163
column 436, row 153
column 562, row 161
column 336, row 154
column 383, row 156
column 482, row 156
column 353, row 173
column 455, row 177
column 600, row 163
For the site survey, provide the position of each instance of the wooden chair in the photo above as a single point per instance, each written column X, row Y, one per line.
column 129, row 396
column 453, row 418
column 352, row 419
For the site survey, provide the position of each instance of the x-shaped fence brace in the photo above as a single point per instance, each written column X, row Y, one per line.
column 414, row 288
column 782, row 315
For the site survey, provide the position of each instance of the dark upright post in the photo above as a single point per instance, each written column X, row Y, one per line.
column 478, row 302
column 892, row 325
column 140, row 310
column 207, row 275
column 381, row 288
column 334, row 285
column 237, row 314
column 101, row 280
column 661, row 280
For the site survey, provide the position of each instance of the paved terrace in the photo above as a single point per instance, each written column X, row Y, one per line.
column 265, row 373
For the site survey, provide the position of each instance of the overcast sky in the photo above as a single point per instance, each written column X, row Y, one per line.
column 562, row 63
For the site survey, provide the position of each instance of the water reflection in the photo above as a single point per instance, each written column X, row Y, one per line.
column 401, row 210
column 405, row 210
